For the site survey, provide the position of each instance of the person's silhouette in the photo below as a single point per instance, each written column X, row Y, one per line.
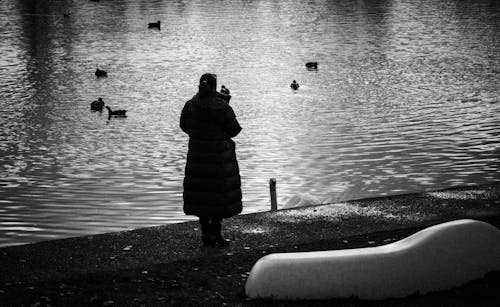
column 212, row 184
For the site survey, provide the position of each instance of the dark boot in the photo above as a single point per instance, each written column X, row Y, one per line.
column 207, row 237
column 217, row 232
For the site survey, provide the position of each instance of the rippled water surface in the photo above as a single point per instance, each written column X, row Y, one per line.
column 406, row 98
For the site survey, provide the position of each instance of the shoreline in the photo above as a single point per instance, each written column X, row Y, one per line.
column 166, row 265
column 281, row 206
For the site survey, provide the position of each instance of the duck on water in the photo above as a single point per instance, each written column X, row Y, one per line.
column 97, row 105
column 116, row 113
column 312, row 65
column 101, row 73
column 154, row 25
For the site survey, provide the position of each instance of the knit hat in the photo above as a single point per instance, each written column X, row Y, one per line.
column 210, row 79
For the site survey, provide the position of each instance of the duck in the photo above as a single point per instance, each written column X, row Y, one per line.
column 224, row 90
column 101, row 73
column 294, row 85
column 153, row 25
column 116, row 113
column 97, row 105
column 66, row 15
column 312, row 65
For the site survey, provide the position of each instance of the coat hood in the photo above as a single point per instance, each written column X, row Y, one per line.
column 208, row 102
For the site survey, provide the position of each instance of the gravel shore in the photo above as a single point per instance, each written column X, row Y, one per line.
column 167, row 266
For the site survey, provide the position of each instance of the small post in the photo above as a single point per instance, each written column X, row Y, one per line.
column 272, row 190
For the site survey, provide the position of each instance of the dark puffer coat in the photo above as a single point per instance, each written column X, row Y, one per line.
column 212, row 184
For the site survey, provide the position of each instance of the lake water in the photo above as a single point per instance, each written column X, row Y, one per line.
column 406, row 98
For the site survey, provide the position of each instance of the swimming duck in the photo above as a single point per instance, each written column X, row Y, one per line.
column 294, row 85
column 156, row 25
column 66, row 15
column 97, row 105
column 116, row 113
column 101, row 73
column 312, row 65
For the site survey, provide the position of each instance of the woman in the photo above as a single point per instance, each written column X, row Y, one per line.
column 212, row 185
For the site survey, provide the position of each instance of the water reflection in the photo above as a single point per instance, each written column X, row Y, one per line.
column 405, row 98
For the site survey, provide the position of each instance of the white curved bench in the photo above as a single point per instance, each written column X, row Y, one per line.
column 436, row 258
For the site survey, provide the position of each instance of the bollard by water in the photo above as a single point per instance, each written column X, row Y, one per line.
column 272, row 191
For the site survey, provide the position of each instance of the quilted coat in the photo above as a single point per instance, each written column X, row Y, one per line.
column 212, row 184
